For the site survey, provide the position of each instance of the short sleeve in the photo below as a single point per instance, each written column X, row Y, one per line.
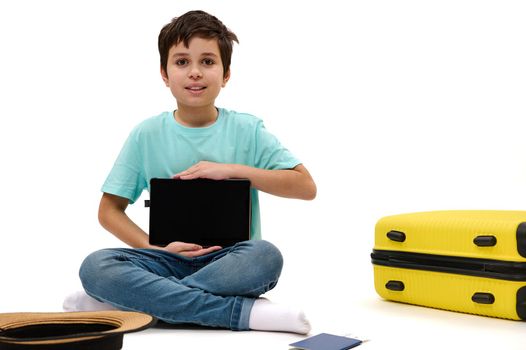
column 270, row 154
column 126, row 178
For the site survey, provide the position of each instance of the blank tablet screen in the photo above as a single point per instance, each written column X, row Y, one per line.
column 202, row 211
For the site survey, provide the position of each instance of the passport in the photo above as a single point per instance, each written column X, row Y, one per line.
column 325, row 341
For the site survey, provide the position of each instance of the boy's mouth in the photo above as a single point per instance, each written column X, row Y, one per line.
column 195, row 88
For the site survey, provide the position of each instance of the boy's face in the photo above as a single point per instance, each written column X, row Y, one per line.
column 194, row 74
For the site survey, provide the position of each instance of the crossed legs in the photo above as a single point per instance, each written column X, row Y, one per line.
column 218, row 290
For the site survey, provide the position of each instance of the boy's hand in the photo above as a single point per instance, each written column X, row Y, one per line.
column 190, row 250
column 206, row 170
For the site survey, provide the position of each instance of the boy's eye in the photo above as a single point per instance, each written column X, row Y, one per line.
column 208, row 61
column 181, row 62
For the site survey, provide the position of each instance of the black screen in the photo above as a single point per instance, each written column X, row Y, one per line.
column 202, row 211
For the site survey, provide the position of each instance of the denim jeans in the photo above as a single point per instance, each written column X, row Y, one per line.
column 217, row 289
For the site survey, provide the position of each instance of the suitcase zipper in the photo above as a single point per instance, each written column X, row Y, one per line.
column 506, row 270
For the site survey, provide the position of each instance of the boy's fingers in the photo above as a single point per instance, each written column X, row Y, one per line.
column 190, row 176
column 187, row 174
column 191, row 246
column 182, row 246
column 190, row 249
column 201, row 251
column 212, row 249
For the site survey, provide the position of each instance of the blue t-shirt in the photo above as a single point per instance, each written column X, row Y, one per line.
column 160, row 147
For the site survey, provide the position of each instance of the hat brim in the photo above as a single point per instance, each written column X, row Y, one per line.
column 69, row 327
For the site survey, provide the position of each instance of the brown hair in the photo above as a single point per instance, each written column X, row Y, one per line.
column 196, row 24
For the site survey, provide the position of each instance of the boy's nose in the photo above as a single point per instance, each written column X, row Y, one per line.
column 195, row 73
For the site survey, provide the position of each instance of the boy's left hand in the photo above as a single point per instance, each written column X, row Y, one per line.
column 206, row 170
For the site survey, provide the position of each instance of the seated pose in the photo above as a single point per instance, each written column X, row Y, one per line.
column 184, row 282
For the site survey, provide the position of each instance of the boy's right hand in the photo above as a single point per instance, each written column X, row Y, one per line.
column 190, row 250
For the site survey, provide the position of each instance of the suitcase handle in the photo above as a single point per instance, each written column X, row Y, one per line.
column 396, row 236
column 397, row 286
column 483, row 298
column 485, row 241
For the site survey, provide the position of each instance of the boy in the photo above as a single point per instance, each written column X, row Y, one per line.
column 184, row 282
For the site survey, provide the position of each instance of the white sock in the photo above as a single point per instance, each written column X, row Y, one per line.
column 267, row 316
column 80, row 301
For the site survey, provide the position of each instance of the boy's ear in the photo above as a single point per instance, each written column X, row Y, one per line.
column 164, row 76
column 226, row 77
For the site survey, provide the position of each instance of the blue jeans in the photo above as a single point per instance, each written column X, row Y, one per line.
column 217, row 289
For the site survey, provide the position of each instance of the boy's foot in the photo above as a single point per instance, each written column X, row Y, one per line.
column 80, row 301
column 267, row 316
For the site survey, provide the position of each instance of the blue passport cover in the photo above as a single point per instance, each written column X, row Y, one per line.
column 325, row 341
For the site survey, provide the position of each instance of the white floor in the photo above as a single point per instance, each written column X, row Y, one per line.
column 348, row 307
column 387, row 326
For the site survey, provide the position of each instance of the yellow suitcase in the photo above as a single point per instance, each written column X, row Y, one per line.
column 464, row 260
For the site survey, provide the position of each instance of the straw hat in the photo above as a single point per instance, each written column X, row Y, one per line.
column 100, row 330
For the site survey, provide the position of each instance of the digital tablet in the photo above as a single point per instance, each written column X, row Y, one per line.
column 202, row 211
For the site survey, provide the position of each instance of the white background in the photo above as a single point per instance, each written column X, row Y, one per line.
column 394, row 106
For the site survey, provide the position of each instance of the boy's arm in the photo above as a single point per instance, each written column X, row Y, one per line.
column 290, row 183
column 112, row 217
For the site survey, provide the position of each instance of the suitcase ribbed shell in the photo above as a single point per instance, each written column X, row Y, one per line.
column 453, row 232
column 449, row 291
